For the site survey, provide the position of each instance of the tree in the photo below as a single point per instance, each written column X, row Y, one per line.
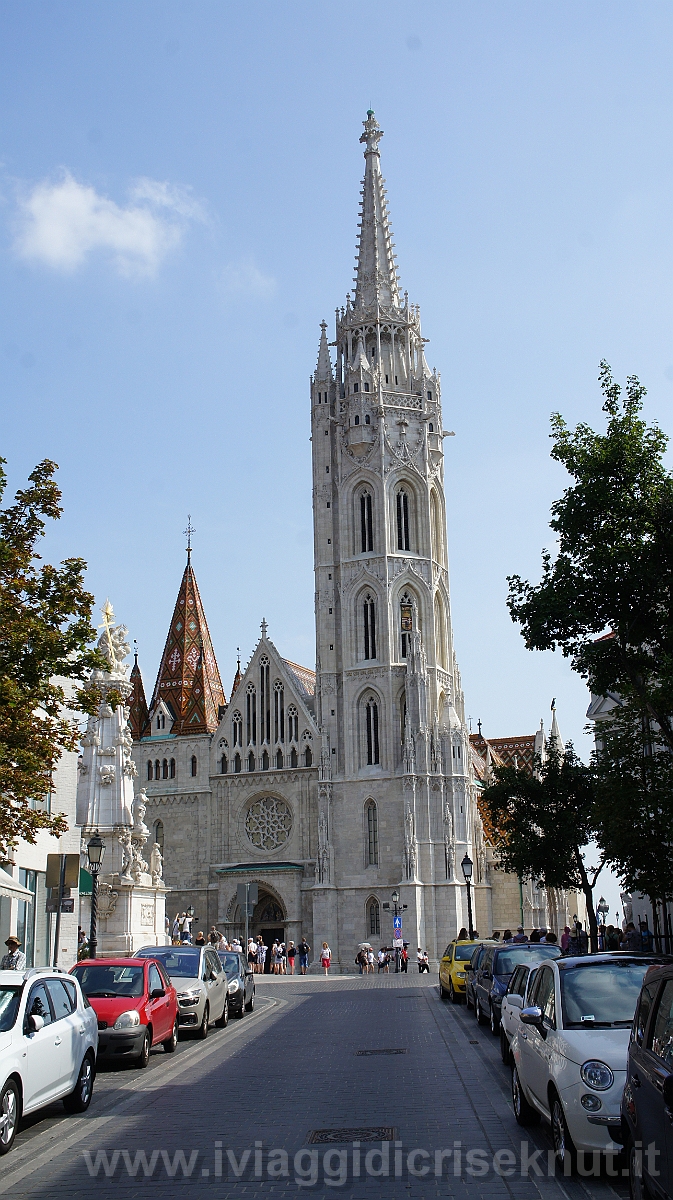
column 542, row 821
column 45, row 638
column 606, row 599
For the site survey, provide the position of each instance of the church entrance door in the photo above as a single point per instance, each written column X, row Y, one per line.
column 269, row 936
column 267, row 923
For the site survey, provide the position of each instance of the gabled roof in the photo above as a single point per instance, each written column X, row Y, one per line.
column 189, row 679
column 303, row 677
column 138, row 712
column 298, row 680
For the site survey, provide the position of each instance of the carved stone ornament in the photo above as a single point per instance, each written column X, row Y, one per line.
column 107, row 900
column 268, row 823
column 108, row 774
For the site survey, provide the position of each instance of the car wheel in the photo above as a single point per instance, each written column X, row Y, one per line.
column 442, row 990
column 523, row 1111
column 79, row 1098
column 144, row 1056
column 481, row 1019
column 251, row 1003
column 638, row 1189
column 203, row 1027
column 9, row 1115
column 505, row 1052
column 494, row 1021
column 564, row 1149
column 240, row 1011
column 467, row 998
column 170, row 1044
column 224, row 1019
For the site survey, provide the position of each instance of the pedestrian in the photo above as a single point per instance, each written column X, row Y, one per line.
column 370, row 961
column 175, row 931
column 404, row 959
column 425, row 964
column 223, row 944
column 304, row 951
column 507, row 935
column 495, row 936
column 200, row 939
column 381, row 961
column 261, row 957
column 252, row 954
column 519, row 936
column 462, row 936
column 14, row 959
column 535, row 935
column 565, row 939
column 551, row 938
column 611, row 938
column 283, row 959
column 236, row 945
column 579, row 942
column 631, row 939
column 213, row 936
column 185, row 928
column 325, row 958
column 291, row 955
column 543, row 934
column 361, row 961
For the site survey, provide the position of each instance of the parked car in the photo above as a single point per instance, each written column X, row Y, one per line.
column 514, row 1000
column 135, row 1003
column 647, row 1102
column 48, row 1044
column 471, row 967
column 241, row 982
column 452, row 969
column 570, row 1050
column 493, row 971
column 201, row 984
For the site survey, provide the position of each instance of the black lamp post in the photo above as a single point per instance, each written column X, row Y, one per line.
column 95, row 853
column 467, row 866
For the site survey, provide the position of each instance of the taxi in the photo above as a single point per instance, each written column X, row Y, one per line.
column 452, row 968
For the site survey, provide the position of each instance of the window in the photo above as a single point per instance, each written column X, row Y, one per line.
column 366, row 387
column 367, row 419
column 237, row 764
column 308, row 757
column 38, row 1004
column 356, row 387
column 278, row 712
column 223, row 765
column 357, row 421
column 647, row 996
column 366, row 523
column 251, row 715
column 403, row 716
column 157, row 769
column 543, row 997
column 431, row 428
column 279, row 760
column 150, row 769
column 406, row 622
column 251, row 761
column 429, row 395
column 293, row 724
column 264, row 700
column 372, row 731
column 154, row 979
column 372, row 834
column 369, row 613
column 164, row 769
column 436, row 528
column 265, row 761
column 195, row 765
column 294, row 759
column 158, row 828
column 662, row 1035
column 172, row 769
column 402, row 520
column 237, row 729
column 373, row 918
column 26, row 913
column 60, row 999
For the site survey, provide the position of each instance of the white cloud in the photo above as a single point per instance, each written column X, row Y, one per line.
column 61, row 224
column 245, row 279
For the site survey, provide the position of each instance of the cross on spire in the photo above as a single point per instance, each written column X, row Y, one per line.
column 264, row 627
column 188, row 534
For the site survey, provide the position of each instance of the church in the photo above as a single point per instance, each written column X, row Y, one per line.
column 331, row 788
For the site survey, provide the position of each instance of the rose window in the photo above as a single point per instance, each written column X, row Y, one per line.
column 268, row 823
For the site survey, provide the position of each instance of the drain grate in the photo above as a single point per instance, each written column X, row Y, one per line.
column 474, row 1042
column 366, row 1053
column 378, row 1133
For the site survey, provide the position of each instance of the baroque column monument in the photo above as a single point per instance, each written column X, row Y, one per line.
column 131, row 890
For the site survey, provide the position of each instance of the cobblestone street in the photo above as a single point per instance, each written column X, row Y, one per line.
column 293, row 1067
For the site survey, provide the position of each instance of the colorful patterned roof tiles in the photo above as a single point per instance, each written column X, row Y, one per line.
column 138, row 712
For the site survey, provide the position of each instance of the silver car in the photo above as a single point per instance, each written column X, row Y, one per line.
column 514, row 1000
column 200, row 981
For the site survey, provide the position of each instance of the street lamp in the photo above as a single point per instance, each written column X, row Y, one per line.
column 397, row 909
column 466, row 867
column 95, row 852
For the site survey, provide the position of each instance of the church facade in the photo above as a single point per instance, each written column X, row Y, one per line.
column 330, row 789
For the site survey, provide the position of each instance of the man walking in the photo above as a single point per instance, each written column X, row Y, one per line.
column 14, row 959
column 304, row 951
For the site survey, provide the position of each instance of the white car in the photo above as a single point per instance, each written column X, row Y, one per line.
column 200, row 981
column 514, row 1000
column 569, row 1049
column 48, row 1046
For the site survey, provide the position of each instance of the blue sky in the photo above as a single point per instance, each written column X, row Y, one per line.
column 178, row 207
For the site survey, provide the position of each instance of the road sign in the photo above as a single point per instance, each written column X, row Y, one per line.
column 397, row 925
column 71, row 876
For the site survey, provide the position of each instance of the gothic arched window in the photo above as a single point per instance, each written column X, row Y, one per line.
column 366, row 523
column 436, row 528
column 372, row 731
column 292, row 724
column 195, row 765
column 237, row 764
column 224, row 766
column 373, row 917
column 265, row 760
column 237, row 729
column 172, row 768
column 357, row 421
column 251, row 761
column 150, row 769
column 369, row 617
column 264, row 700
column 308, row 757
column 294, row 758
column 251, row 715
column 279, row 711
column 372, row 834
column 157, row 769
column 279, row 760
column 402, row 502
column 406, row 623
column 164, row 769
column 159, row 834
column 367, row 419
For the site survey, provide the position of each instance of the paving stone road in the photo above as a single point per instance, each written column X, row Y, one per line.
column 233, row 1117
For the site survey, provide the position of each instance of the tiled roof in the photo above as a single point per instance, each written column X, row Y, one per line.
column 138, row 712
column 304, row 676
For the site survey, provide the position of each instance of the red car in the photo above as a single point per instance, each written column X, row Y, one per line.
column 136, row 1005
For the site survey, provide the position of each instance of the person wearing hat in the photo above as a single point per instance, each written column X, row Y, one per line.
column 14, row 959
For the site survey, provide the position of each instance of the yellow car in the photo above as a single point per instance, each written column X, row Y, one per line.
column 452, row 969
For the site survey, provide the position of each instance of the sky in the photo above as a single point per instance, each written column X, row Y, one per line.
column 179, row 189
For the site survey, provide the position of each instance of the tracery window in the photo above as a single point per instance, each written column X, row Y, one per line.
column 279, row 760
column 366, row 523
column 292, row 723
column 294, row 758
column 402, row 501
column 372, row 731
column 237, row 729
column 308, row 757
column 373, row 918
column 265, row 760
column 264, row 700
column 157, row 769
column 369, row 617
column 406, row 623
column 172, row 768
column 251, row 715
column 224, row 766
column 237, row 764
column 150, row 769
column 372, row 834
column 268, row 823
column 279, row 712
column 159, row 834
column 164, row 769
column 251, row 761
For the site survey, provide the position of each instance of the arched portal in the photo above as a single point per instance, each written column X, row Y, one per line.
column 268, row 921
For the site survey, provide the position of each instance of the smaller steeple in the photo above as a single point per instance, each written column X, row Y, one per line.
column 138, row 712
column 237, row 676
column 323, row 371
column 555, row 738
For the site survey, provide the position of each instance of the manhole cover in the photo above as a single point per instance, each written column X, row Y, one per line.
column 364, row 1053
column 379, row 1133
column 474, row 1042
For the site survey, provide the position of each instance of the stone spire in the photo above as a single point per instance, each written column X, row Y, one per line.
column 138, row 712
column 237, row 676
column 323, row 371
column 189, row 679
column 376, row 281
column 555, row 733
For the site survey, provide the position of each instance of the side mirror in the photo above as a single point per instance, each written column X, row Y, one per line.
column 515, row 1000
column 668, row 1091
column 35, row 1023
column 531, row 1016
column 157, row 993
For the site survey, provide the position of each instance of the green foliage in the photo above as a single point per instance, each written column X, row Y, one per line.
column 606, row 598
column 45, row 634
column 542, row 821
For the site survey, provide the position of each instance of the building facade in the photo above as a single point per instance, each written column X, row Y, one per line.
column 331, row 789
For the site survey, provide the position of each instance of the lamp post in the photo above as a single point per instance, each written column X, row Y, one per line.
column 95, row 852
column 397, row 909
column 466, row 867
column 603, row 911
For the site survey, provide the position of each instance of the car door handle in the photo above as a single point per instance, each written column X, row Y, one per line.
column 635, row 1081
column 523, row 1036
column 57, row 1042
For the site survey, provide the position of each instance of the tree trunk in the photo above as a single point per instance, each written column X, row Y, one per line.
column 589, row 897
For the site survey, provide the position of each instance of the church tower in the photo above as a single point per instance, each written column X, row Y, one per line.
column 400, row 809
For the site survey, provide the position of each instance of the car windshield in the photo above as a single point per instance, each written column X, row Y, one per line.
column 9, row 1006
column 602, row 994
column 463, row 953
column 231, row 962
column 180, row 964
column 104, row 979
column 507, row 960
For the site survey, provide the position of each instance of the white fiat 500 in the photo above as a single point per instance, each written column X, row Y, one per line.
column 569, row 1049
column 48, row 1045
column 514, row 1000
